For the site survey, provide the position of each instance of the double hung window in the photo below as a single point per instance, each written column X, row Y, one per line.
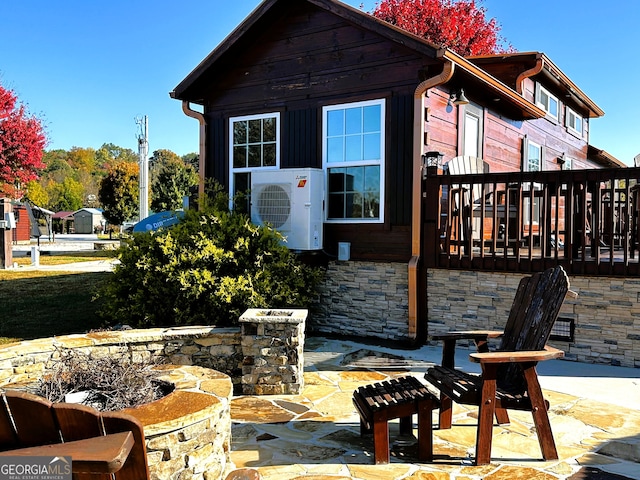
column 255, row 143
column 547, row 101
column 573, row 121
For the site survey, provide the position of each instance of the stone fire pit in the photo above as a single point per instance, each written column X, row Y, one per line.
column 188, row 432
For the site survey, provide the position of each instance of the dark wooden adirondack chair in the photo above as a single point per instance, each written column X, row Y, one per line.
column 107, row 445
column 509, row 379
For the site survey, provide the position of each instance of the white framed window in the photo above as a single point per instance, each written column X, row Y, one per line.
column 567, row 164
column 547, row 101
column 533, row 157
column 254, row 142
column 353, row 159
column 472, row 131
column 573, row 121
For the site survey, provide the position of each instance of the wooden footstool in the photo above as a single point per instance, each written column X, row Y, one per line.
column 398, row 398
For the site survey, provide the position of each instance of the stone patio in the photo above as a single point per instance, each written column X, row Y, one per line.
column 595, row 416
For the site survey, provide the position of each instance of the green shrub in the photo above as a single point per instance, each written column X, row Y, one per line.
column 207, row 270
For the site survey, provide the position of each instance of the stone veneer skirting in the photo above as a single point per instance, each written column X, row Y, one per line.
column 606, row 312
column 364, row 299
column 369, row 299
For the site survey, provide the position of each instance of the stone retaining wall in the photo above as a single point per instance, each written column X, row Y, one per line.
column 216, row 348
column 269, row 351
column 188, row 432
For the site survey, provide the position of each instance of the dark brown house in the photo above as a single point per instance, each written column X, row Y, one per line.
column 317, row 84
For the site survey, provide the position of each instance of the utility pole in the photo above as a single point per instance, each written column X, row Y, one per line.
column 143, row 161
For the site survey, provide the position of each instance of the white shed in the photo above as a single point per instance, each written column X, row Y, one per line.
column 86, row 220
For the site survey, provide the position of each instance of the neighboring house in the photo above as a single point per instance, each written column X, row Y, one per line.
column 31, row 222
column 88, row 220
column 318, row 84
column 22, row 232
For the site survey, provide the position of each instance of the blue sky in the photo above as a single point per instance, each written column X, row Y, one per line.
column 89, row 68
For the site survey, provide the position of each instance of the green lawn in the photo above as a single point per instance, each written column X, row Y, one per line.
column 37, row 304
column 59, row 259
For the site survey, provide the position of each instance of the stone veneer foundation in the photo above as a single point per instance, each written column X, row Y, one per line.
column 363, row 299
column 606, row 312
column 369, row 299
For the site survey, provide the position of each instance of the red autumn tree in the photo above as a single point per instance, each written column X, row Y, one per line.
column 22, row 142
column 460, row 25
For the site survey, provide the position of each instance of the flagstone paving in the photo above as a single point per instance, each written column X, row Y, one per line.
column 316, row 435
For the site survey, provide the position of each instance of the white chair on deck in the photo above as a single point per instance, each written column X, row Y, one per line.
column 467, row 197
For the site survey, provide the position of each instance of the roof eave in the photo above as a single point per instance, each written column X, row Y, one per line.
column 528, row 109
column 347, row 12
column 605, row 158
column 553, row 72
column 222, row 47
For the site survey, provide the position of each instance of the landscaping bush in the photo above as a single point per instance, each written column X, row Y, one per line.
column 206, row 270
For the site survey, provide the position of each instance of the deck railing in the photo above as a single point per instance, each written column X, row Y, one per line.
column 585, row 220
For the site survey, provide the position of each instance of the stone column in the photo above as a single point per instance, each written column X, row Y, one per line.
column 272, row 348
column 6, row 253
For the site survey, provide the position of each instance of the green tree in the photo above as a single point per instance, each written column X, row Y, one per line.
column 57, row 167
column 108, row 155
column 159, row 160
column 163, row 157
column 172, row 183
column 192, row 159
column 118, row 193
column 37, row 195
column 206, row 270
column 67, row 196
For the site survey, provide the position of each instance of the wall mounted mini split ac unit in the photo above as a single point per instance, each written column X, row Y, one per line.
column 291, row 201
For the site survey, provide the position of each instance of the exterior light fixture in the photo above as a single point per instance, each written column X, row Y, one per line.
column 431, row 162
column 458, row 98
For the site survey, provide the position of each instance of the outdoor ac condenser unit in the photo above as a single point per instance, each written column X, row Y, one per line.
column 290, row 200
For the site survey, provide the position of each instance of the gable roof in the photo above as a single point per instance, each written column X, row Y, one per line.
column 92, row 211
column 62, row 215
column 268, row 8
column 191, row 87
